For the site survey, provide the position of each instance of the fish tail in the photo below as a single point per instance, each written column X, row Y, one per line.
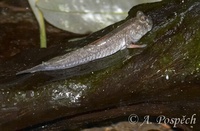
column 32, row 70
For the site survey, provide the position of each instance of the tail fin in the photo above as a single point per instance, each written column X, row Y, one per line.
column 32, row 70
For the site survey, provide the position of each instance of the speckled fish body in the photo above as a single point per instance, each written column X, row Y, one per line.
column 123, row 36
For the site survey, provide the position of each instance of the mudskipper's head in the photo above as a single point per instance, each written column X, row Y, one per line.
column 141, row 24
column 144, row 20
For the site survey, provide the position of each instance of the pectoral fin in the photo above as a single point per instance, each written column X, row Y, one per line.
column 136, row 46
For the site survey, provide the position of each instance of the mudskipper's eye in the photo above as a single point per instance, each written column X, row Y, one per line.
column 143, row 18
column 139, row 14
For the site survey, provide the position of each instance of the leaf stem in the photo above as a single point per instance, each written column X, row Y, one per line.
column 43, row 42
column 39, row 16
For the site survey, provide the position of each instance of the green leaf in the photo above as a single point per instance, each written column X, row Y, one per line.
column 83, row 16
